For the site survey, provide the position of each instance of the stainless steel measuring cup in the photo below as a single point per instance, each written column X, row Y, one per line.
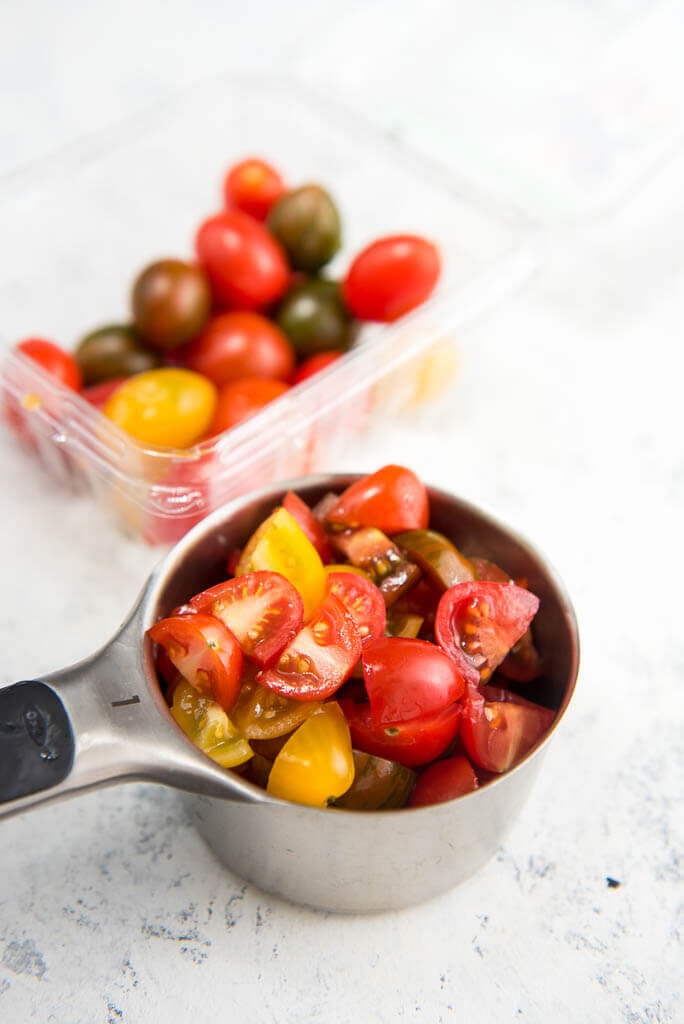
column 104, row 720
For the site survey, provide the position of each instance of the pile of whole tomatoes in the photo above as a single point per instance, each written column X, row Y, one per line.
column 211, row 341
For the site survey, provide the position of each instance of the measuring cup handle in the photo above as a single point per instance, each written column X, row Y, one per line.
column 36, row 740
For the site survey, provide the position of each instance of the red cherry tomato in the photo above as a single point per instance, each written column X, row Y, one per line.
column 321, row 656
column 314, row 364
column 262, row 609
column 243, row 398
column 411, row 743
column 390, row 277
column 54, row 360
column 407, row 678
column 392, row 499
column 482, row 620
column 444, row 780
column 205, row 652
column 253, row 185
column 300, row 511
column 363, row 601
column 240, row 344
column 97, row 394
column 247, row 268
column 497, row 733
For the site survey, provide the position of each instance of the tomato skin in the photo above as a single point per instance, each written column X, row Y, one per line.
column 262, row 609
column 392, row 499
column 239, row 344
column 496, row 734
column 412, row 743
column 320, row 658
column 444, row 780
column 168, row 407
column 391, row 276
column 54, row 360
column 247, row 268
column 313, row 529
column 171, row 301
column 482, row 620
column 407, row 678
column 204, row 651
column 253, row 185
column 378, row 784
column 314, row 364
column 316, row 764
column 363, row 601
column 243, row 398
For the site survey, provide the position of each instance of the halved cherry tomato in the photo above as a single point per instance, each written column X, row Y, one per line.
column 54, row 360
column 205, row 652
column 497, row 733
column 370, row 549
column 247, row 268
column 392, row 499
column 379, row 784
column 208, row 726
column 280, row 544
column 412, row 743
column 242, row 398
column 444, row 780
column 262, row 610
column 321, row 656
column 440, row 560
column 391, row 276
column 316, row 764
column 263, row 714
column 314, row 364
column 239, row 344
column 309, row 524
column 482, row 620
column 523, row 663
column 408, row 679
column 168, row 407
column 253, row 185
column 363, row 601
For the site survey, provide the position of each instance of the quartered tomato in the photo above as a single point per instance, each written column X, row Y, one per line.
column 440, row 560
column 320, row 658
column 208, row 726
column 253, row 185
column 408, row 679
column 247, row 268
column 311, row 526
column 391, row 276
column 412, row 743
column 363, row 601
column 54, row 360
column 482, row 621
column 392, row 499
column 316, row 764
column 280, row 544
column 444, row 780
column 262, row 714
column 262, row 610
column 205, row 652
column 498, row 732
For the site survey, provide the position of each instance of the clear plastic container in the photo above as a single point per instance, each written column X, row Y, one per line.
column 94, row 215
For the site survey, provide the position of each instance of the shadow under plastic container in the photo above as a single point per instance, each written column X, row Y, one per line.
column 95, row 214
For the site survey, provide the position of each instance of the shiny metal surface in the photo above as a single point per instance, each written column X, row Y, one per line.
column 337, row 860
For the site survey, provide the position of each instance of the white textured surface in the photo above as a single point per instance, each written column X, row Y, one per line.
column 568, row 423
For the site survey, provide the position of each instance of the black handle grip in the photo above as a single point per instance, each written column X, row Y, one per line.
column 36, row 740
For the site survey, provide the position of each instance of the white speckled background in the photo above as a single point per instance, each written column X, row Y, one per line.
column 566, row 421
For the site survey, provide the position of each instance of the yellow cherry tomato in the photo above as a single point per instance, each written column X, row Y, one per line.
column 316, row 764
column 281, row 545
column 209, row 727
column 168, row 407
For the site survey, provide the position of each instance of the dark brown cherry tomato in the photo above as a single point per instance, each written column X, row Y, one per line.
column 390, row 277
column 54, row 360
column 243, row 398
column 253, row 185
column 171, row 302
column 314, row 317
column 247, row 268
column 379, row 784
column 116, row 350
column 240, row 344
column 307, row 224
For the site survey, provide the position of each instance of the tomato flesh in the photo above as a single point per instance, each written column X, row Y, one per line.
column 496, row 734
column 208, row 726
column 205, row 653
column 363, row 601
column 262, row 714
column 262, row 610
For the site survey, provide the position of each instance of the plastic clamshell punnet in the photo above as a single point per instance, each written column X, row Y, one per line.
column 95, row 214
